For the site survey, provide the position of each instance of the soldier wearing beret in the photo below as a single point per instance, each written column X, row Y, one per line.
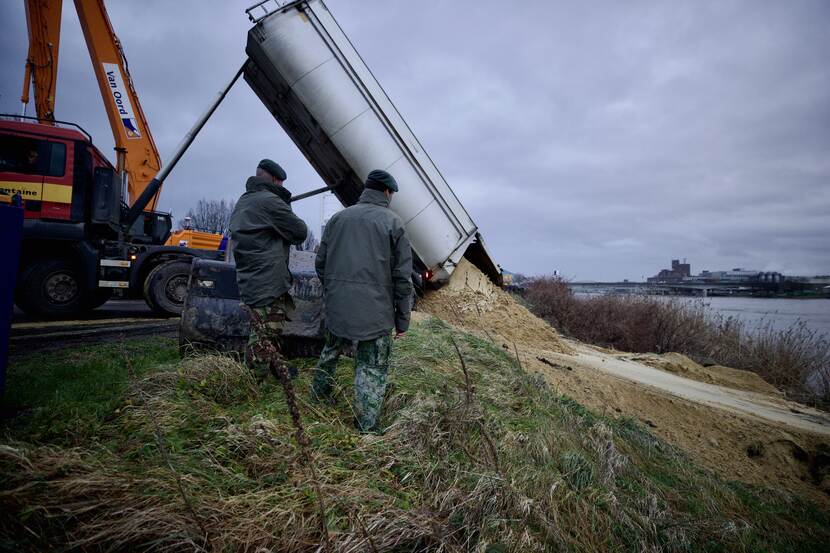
column 365, row 264
column 263, row 228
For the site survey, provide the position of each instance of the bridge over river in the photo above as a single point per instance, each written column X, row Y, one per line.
column 701, row 289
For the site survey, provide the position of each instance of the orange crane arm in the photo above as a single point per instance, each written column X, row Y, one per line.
column 43, row 19
column 136, row 152
column 137, row 157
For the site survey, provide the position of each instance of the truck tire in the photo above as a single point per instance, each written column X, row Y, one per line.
column 52, row 288
column 165, row 287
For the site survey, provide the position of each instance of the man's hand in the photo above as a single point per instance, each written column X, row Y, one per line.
column 399, row 334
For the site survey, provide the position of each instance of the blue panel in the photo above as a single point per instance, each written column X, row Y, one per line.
column 11, row 229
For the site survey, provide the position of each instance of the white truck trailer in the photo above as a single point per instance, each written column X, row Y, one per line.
column 317, row 86
column 313, row 81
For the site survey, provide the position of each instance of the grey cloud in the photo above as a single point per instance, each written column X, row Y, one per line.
column 598, row 138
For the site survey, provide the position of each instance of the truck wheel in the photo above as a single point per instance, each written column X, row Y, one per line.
column 165, row 288
column 52, row 288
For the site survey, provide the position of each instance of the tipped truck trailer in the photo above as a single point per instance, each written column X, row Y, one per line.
column 306, row 72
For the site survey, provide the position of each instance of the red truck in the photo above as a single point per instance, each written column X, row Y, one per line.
column 77, row 247
column 90, row 227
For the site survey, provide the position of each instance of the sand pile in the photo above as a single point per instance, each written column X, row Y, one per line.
column 470, row 301
column 736, row 445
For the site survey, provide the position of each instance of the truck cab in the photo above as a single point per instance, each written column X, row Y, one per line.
column 49, row 167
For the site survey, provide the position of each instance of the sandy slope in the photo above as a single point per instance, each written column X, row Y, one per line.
column 763, row 406
column 730, row 421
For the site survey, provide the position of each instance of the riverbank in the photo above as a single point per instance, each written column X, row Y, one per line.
column 483, row 451
column 500, row 435
column 731, row 421
column 788, row 352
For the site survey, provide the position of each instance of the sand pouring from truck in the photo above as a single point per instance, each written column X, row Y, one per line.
column 307, row 73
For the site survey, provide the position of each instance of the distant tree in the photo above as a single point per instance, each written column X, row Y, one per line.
column 310, row 242
column 210, row 216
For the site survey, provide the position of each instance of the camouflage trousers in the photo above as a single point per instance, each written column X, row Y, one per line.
column 371, row 367
column 273, row 318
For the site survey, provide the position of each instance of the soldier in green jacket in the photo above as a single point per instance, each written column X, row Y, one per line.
column 263, row 228
column 365, row 264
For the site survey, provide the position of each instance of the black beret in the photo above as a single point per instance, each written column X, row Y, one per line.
column 381, row 180
column 273, row 168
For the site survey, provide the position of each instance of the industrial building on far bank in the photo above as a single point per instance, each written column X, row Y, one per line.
column 766, row 282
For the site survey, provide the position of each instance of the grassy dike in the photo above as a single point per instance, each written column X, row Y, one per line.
column 185, row 455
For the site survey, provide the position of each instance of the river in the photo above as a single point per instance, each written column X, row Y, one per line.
column 780, row 312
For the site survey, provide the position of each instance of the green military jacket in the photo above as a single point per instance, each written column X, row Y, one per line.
column 365, row 264
column 263, row 227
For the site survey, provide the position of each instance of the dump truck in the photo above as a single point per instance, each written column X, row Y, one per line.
column 307, row 73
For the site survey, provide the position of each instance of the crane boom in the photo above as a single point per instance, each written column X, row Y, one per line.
column 43, row 20
column 137, row 157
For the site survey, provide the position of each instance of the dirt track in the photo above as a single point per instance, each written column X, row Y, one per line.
column 108, row 323
column 738, row 401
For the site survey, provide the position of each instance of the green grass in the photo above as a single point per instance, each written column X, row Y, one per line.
column 65, row 397
column 493, row 461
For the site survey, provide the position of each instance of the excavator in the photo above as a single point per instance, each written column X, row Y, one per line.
column 90, row 227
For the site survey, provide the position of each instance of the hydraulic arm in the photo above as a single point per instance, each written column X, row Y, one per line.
column 43, row 20
column 137, row 158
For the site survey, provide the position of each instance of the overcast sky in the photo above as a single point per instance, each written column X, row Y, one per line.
column 598, row 139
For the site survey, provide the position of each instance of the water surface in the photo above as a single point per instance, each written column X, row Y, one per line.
column 780, row 312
